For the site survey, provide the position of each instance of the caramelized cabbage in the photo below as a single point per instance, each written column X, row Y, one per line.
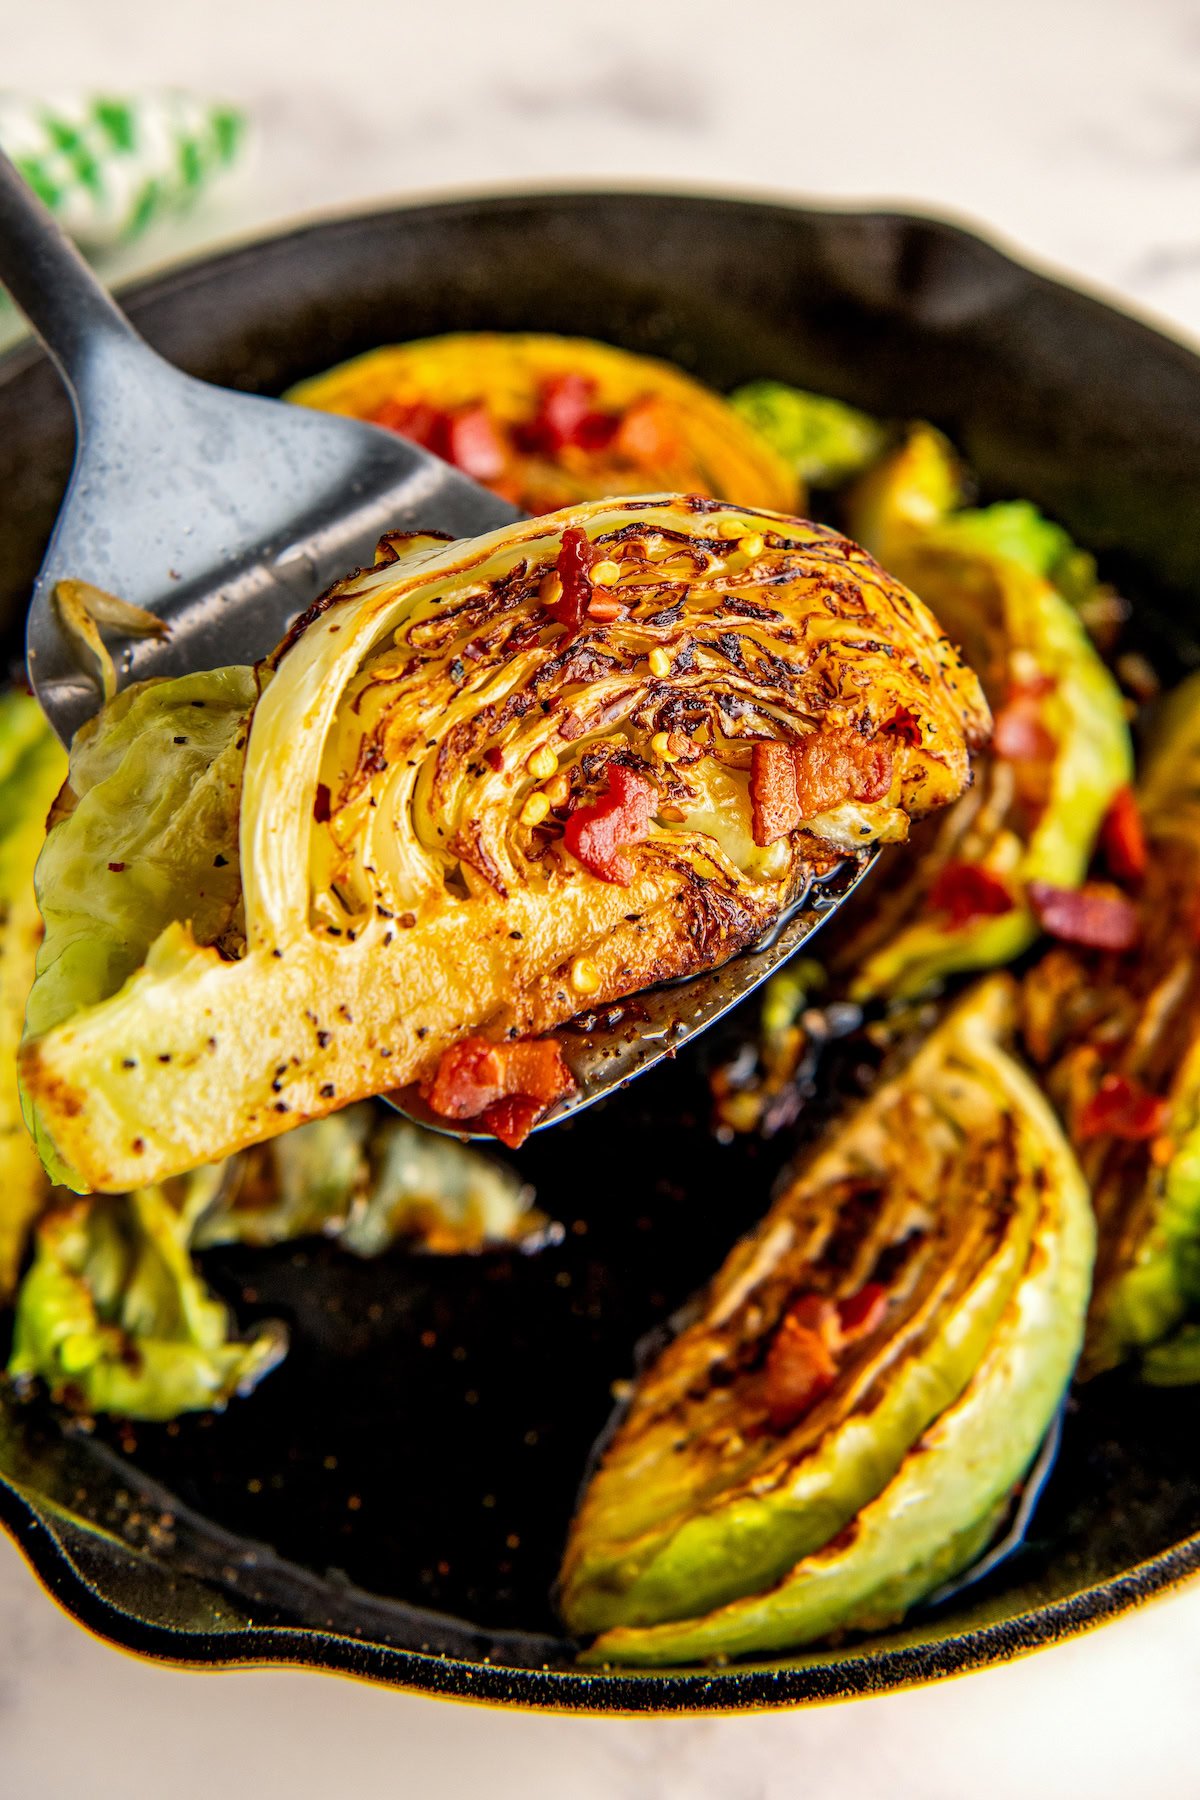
column 837, row 1428
column 402, row 871
column 32, row 770
column 1117, row 1038
column 548, row 421
column 1062, row 745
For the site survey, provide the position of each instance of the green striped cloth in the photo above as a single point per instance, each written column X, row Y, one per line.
column 108, row 166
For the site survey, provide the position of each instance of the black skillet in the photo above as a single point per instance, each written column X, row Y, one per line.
column 392, row 1502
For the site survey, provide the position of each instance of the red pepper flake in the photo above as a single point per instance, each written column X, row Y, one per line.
column 575, row 558
column 791, row 783
column 861, row 1312
column 1123, row 837
column 494, row 757
column 800, row 1366
column 904, row 725
column 1122, row 1108
column 1096, row 916
column 621, row 815
column 505, row 1086
column 321, row 805
column 967, row 891
column 116, row 868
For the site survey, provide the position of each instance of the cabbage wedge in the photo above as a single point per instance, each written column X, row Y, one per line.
column 548, row 421
column 1117, row 1039
column 1061, row 747
column 839, row 1425
column 259, row 910
column 33, row 768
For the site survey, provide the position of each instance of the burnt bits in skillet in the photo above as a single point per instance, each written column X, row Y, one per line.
column 426, row 1436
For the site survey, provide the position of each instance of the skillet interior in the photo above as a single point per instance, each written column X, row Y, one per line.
column 425, row 1438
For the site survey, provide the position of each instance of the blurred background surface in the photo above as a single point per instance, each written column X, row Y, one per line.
column 1070, row 130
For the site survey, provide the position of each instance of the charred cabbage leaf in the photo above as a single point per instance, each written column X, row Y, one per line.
column 115, row 1319
column 825, row 441
column 419, row 793
column 114, row 1314
column 1117, row 1038
column 548, row 421
column 371, row 1180
column 839, row 1425
column 33, row 767
column 1060, row 749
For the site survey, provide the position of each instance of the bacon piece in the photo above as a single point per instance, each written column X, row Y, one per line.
column 567, row 418
column 647, row 435
column 621, row 815
column 861, row 1312
column 775, row 806
column 474, row 444
column 966, row 891
column 1020, row 734
column 1097, row 916
column 800, row 1365
column 791, row 783
column 1122, row 1108
column 506, row 1086
column 1124, row 838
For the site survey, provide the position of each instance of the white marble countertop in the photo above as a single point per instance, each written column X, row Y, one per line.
column 1070, row 129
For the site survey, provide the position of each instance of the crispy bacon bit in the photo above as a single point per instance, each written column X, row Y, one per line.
column 467, row 436
column 647, row 435
column 474, row 444
column 567, row 417
column 574, row 560
column 860, row 1313
column 1122, row 1108
column 800, row 1365
column 966, row 891
column 595, row 834
column 1097, row 916
column 1124, row 838
column 791, row 783
column 904, row 725
column 321, row 805
column 1020, row 734
column 774, row 804
column 506, row 1086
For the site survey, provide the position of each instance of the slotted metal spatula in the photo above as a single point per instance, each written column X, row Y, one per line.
column 225, row 515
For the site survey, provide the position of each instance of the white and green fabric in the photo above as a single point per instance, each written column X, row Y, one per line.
column 108, row 166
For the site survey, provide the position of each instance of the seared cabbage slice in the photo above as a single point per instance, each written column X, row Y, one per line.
column 834, row 1432
column 33, row 767
column 115, row 1319
column 548, row 421
column 371, row 1179
column 426, row 747
column 1061, row 747
column 114, row 1314
column 1117, row 1037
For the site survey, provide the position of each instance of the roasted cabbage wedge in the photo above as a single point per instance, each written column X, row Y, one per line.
column 1116, row 1035
column 548, row 421
column 1061, row 747
column 482, row 783
column 115, row 1316
column 825, row 441
column 33, row 767
column 838, row 1428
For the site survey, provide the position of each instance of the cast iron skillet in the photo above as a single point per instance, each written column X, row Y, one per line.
column 392, row 1502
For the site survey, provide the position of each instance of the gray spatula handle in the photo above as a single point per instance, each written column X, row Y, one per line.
column 53, row 286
